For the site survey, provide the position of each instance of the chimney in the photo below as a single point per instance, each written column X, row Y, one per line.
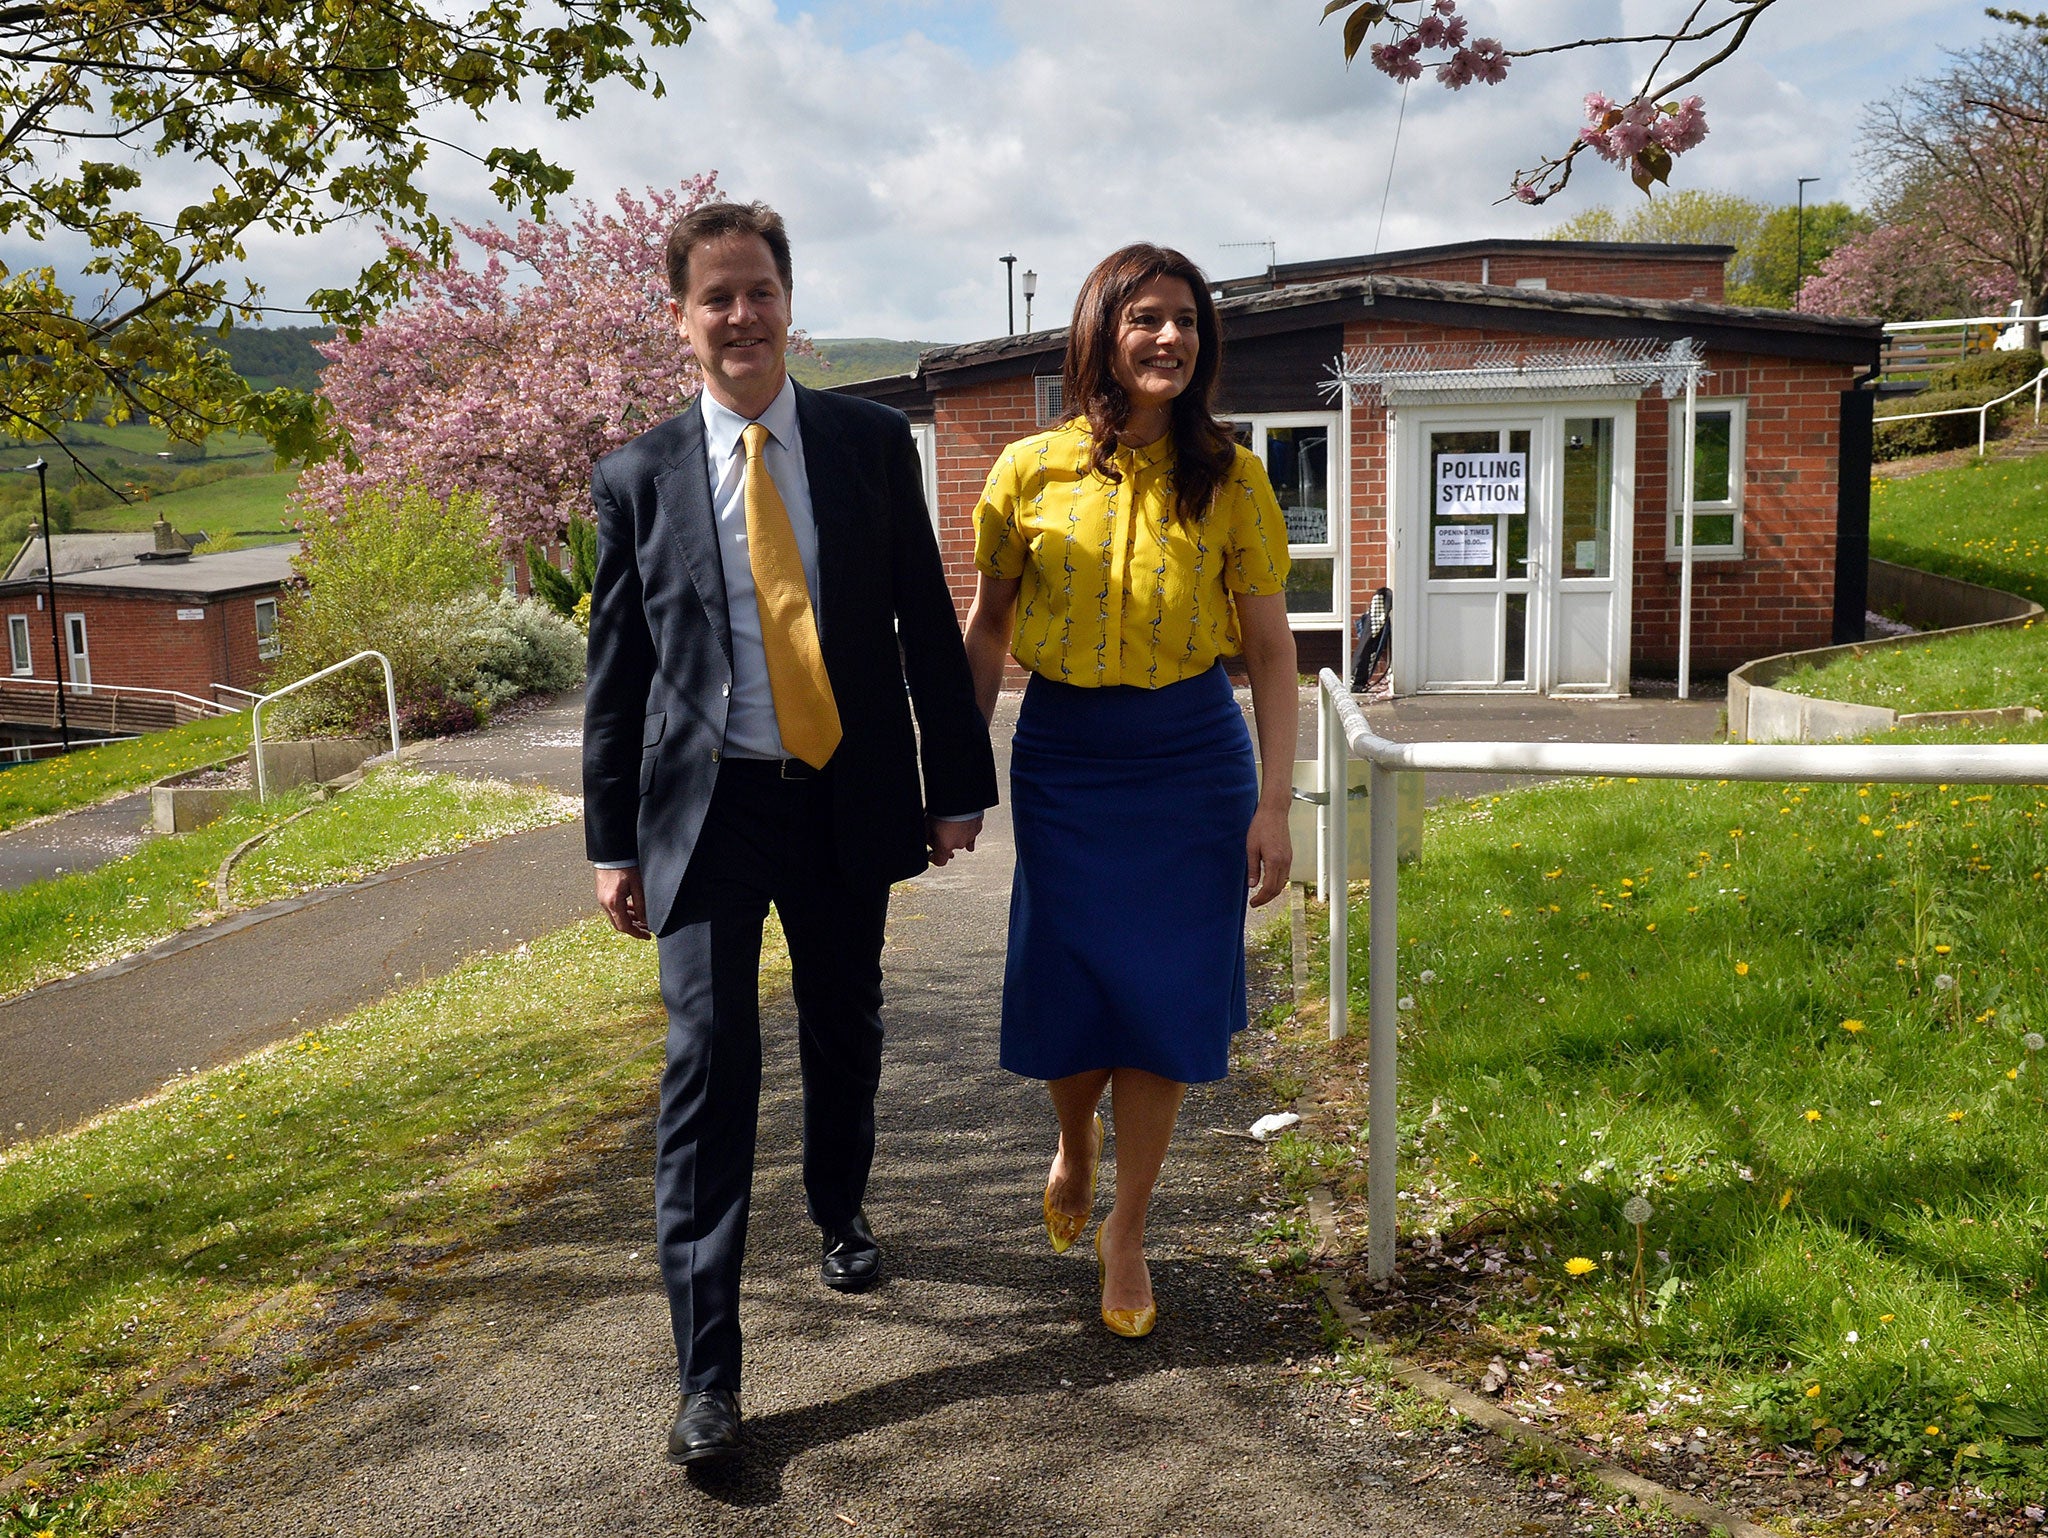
column 170, row 544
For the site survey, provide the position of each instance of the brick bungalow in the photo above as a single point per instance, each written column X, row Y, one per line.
column 131, row 622
column 1574, row 588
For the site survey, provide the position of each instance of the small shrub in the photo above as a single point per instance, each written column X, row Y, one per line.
column 1930, row 435
column 521, row 647
column 1992, row 372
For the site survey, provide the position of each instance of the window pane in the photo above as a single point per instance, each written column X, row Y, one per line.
column 1515, row 642
column 1298, row 464
column 1710, row 531
column 1714, row 437
column 1312, row 586
column 1466, row 548
column 1242, row 432
column 1515, row 526
column 1587, row 525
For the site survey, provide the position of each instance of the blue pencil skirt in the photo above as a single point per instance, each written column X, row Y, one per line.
column 1127, row 908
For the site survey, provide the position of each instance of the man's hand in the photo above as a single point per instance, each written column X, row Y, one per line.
column 1268, row 854
column 623, row 901
column 944, row 839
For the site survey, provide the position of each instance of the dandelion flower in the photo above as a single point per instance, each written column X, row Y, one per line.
column 1578, row 1265
column 1886, row 1318
column 1934, row 1431
column 1427, row 976
column 1852, row 1026
column 1811, row 1114
column 1742, row 969
column 1941, row 950
column 1636, row 1211
column 2034, row 1041
column 1955, row 1115
column 1943, row 982
column 1813, row 1391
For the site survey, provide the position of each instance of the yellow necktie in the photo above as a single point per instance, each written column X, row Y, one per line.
column 805, row 712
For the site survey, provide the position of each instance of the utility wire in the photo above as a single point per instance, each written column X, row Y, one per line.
column 1392, row 155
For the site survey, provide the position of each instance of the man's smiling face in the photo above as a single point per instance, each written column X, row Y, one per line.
column 735, row 316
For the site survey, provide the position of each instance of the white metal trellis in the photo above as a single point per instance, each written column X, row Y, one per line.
column 1346, row 732
column 1481, row 371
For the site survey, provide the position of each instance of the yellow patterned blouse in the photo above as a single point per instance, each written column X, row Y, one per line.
column 1114, row 589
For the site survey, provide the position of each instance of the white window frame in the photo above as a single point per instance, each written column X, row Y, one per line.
column 925, row 435
column 1738, row 475
column 267, row 646
column 21, row 657
column 1331, row 548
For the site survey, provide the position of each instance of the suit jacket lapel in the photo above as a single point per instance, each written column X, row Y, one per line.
column 683, row 499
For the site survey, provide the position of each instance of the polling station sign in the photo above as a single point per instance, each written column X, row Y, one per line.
column 1469, row 485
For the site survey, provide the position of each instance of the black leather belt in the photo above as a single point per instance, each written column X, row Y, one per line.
column 770, row 768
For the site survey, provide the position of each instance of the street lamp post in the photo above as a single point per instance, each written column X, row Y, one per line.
column 1030, row 293
column 1799, row 242
column 1010, row 281
column 42, row 470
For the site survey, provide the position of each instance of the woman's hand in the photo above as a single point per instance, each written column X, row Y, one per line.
column 1268, row 854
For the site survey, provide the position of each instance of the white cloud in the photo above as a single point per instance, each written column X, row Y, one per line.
column 907, row 163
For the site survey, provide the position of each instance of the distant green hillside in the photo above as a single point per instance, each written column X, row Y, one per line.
column 856, row 358
column 273, row 356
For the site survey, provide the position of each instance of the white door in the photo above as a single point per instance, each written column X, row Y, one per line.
column 1588, row 569
column 1474, row 490
column 1513, row 548
column 74, row 642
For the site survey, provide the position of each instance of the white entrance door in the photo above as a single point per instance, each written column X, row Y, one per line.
column 81, row 660
column 1513, row 548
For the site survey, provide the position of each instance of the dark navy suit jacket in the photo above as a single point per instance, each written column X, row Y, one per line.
column 661, row 650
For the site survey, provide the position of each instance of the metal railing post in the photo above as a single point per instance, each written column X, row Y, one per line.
column 1337, row 777
column 256, row 710
column 1382, row 1023
column 1322, row 796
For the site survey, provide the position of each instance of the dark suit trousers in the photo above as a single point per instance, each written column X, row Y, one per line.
column 765, row 840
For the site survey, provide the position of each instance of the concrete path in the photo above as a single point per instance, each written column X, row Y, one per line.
column 525, row 1387
column 79, row 841
column 219, row 992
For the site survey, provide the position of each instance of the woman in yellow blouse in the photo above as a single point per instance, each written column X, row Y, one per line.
column 1123, row 556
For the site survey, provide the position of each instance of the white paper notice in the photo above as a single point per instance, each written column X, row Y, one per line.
column 1464, row 544
column 1482, row 483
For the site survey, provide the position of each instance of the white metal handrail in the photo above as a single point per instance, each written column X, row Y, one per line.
column 102, row 691
column 249, row 695
column 256, row 710
column 1345, row 733
column 1983, row 411
column 1896, row 327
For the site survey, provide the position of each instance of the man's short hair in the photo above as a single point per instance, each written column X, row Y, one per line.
column 715, row 221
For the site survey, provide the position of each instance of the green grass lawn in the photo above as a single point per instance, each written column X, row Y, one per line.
column 90, row 775
column 243, row 509
column 414, row 1122
column 1801, row 1023
column 1985, row 521
column 51, row 929
column 1984, row 670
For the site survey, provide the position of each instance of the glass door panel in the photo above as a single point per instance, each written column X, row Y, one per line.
column 1586, row 518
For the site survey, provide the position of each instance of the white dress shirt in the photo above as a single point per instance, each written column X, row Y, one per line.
column 750, row 727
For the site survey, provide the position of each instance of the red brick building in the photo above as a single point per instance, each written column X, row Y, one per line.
column 162, row 623
column 1486, row 360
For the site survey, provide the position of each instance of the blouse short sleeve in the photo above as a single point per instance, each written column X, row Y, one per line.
column 1000, row 549
column 1256, row 554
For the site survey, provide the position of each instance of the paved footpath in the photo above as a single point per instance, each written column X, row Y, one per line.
column 217, row 993
column 524, row 1387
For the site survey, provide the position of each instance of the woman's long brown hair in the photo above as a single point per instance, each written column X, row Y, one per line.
column 1204, row 449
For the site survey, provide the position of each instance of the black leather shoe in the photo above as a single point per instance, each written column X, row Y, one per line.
column 707, row 1427
column 852, row 1259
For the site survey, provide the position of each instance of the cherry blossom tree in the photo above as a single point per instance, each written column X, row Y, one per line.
column 1644, row 132
column 1903, row 272
column 508, row 376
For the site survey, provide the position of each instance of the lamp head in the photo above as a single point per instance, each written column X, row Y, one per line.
column 1030, row 284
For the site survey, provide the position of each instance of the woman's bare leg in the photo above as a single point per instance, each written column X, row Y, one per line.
column 1074, row 1100
column 1146, row 1107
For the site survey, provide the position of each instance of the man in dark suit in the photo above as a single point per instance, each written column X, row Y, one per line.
column 767, row 582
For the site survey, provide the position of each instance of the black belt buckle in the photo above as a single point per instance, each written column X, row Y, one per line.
column 796, row 769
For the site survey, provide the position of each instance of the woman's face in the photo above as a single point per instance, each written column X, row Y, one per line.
column 1156, row 344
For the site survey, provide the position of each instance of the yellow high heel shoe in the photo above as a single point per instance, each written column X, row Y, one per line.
column 1063, row 1228
column 1130, row 1323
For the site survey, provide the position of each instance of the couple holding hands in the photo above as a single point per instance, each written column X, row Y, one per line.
column 769, row 607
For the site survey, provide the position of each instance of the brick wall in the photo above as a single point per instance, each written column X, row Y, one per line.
column 138, row 639
column 1578, row 272
column 974, row 425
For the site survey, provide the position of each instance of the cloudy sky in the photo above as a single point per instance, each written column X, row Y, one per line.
column 911, row 143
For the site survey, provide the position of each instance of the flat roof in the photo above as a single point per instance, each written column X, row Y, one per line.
column 199, row 576
column 1288, row 273
column 1475, row 306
